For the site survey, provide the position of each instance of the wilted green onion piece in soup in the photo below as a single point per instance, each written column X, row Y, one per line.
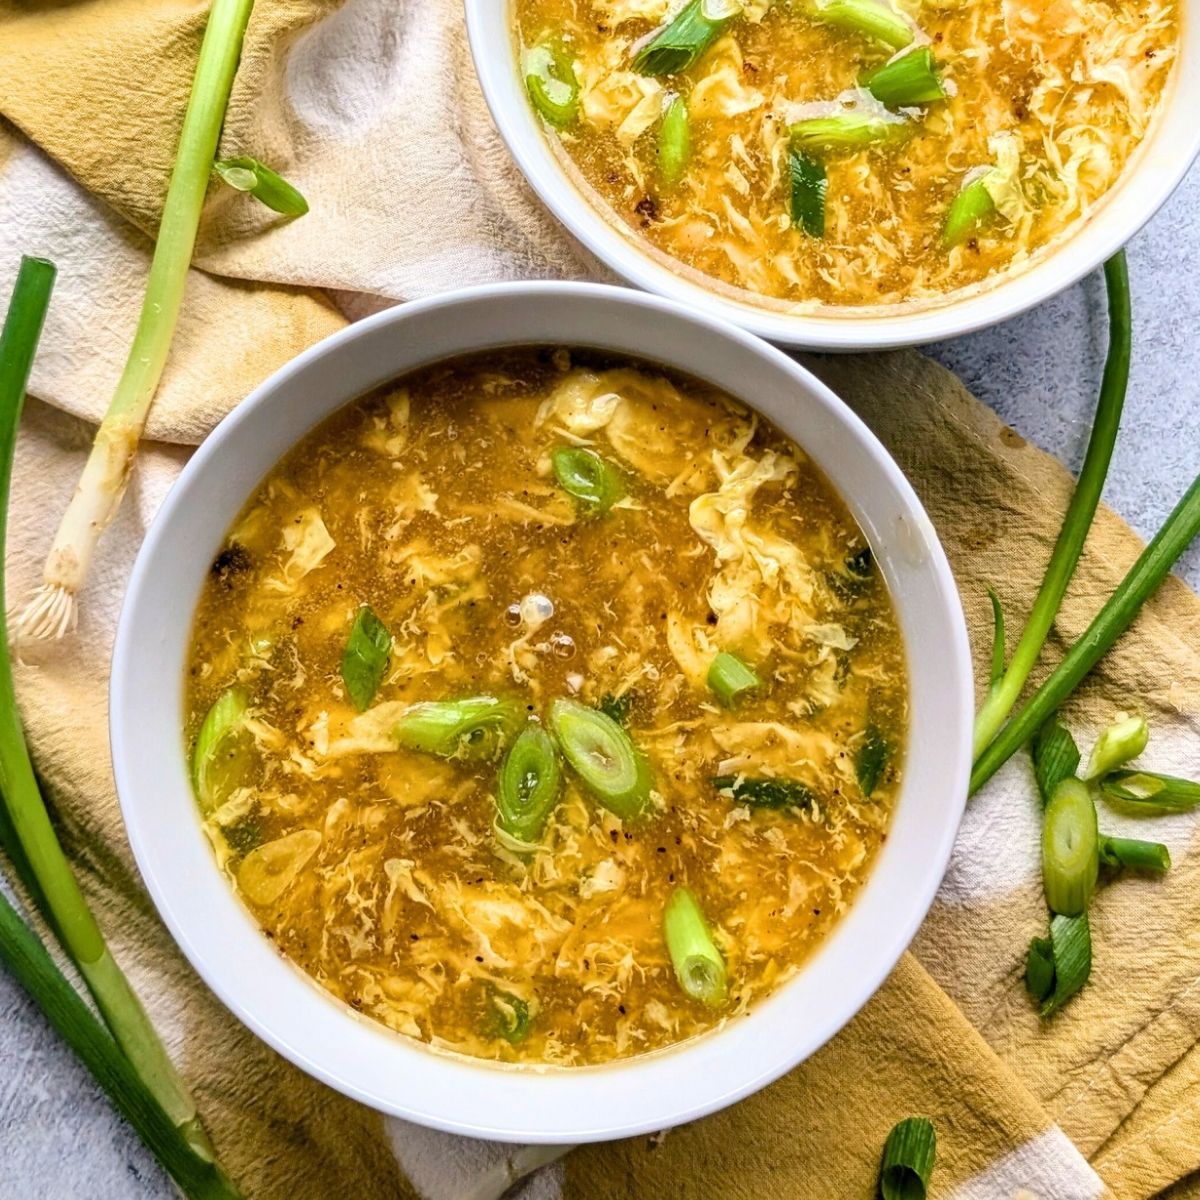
column 475, row 810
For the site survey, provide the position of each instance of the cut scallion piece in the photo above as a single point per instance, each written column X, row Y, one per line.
column 512, row 1021
column 999, row 648
column 1135, row 854
column 587, row 478
column 1126, row 738
column 552, row 84
column 528, row 786
column 1070, row 848
column 1039, row 968
column 871, row 18
column 247, row 174
column 765, row 793
column 810, row 185
column 473, row 729
column 1055, row 757
column 698, row 964
column 871, row 758
column 731, row 679
column 221, row 754
column 604, row 757
column 968, row 211
column 906, row 81
column 908, row 1156
column 1149, row 791
column 1071, row 946
column 680, row 43
column 674, row 141
column 846, row 131
column 365, row 659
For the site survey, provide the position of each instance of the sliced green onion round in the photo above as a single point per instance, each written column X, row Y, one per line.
column 809, row 185
column 529, row 783
column 1070, row 848
column 552, row 85
column 731, row 679
column 1151, row 792
column 871, row 18
column 603, row 755
column 1135, row 854
column 512, row 1017
column 698, row 964
column 846, row 131
column 907, row 81
column 1055, row 757
column 680, row 43
column 908, row 1156
column 1071, row 943
column 247, row 174
column 968, row 211
column 222, row 751
column 587, row 478
column 473, row 729
column 365, row 659
column 674, row 141
column 1116, row 745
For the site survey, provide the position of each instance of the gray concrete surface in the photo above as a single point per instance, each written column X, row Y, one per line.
column 58, row 1137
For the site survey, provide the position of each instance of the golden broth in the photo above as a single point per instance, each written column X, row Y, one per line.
column 378, row 869
column 1058, row 93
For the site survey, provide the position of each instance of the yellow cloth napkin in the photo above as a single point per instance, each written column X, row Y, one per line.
column 372, row 109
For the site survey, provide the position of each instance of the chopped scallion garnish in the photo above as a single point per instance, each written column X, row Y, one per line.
column 512, row 1021
column 1123, row 740
column 999, row 648
column 809, row 185
column 1070, row 848
column 1071, row 951
column 698, row 964
column 477, row 728
column 365, row 659
column 908, row 1157
column 871, row 758
column 1055, row 757
column 246, row 174
column 551, row 82
column 1039, row 968
column 731, row 679
column 765, row 793
column 680, row 43
column 968, row 211
column 847, row 131
column 593, row 483
column 1134, row 854
column 1148, row 791
column 906, row 81
column 604, row 757
column 221, row 753
column 674, row 141
column 528, row 786
column 871, row 18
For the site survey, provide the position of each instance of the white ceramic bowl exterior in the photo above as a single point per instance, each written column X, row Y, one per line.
column 1158, row 166
column 362, row 1058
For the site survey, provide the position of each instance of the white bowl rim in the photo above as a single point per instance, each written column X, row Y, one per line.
column 1155, row 170
column 396, row 1075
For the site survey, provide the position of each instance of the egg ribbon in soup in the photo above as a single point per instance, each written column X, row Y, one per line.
column 847, row 152
column 545, row 708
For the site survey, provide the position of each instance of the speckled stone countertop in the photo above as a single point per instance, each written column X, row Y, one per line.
column 58, row 1137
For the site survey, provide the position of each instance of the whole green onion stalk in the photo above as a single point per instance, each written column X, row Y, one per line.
column 1080, row 513
column 28, row 834
column 52, row 610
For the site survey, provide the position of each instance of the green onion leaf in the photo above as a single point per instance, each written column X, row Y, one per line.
column 474, row 729
column 871, row 18
column 765, row 793
column 906, row 81
column 698, row 964
column 552, row 84
column 810, row 185
column 1071, row 940
column 1055, row 757
column 247, row 174
column 908, row 1156
column 1148, row 791
column 1135, row 854
column 617, row 707
column 999, row 649
column 528, row 786
column 221, row 755
column 365, row 659
column 730, row 679
column 674, row 141
column 587, row 478
column 680, row 43
column 968, row 211
column 847, row 131
column 1039, row 968
column 871, row 758
column 604, row 757
column 1126, row 738
column 512, row 1017
column 1070, row 848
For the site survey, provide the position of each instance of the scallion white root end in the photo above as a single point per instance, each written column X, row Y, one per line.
column 49, row 615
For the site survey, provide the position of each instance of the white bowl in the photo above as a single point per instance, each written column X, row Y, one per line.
column 365, row 1060
column 1156, row 169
